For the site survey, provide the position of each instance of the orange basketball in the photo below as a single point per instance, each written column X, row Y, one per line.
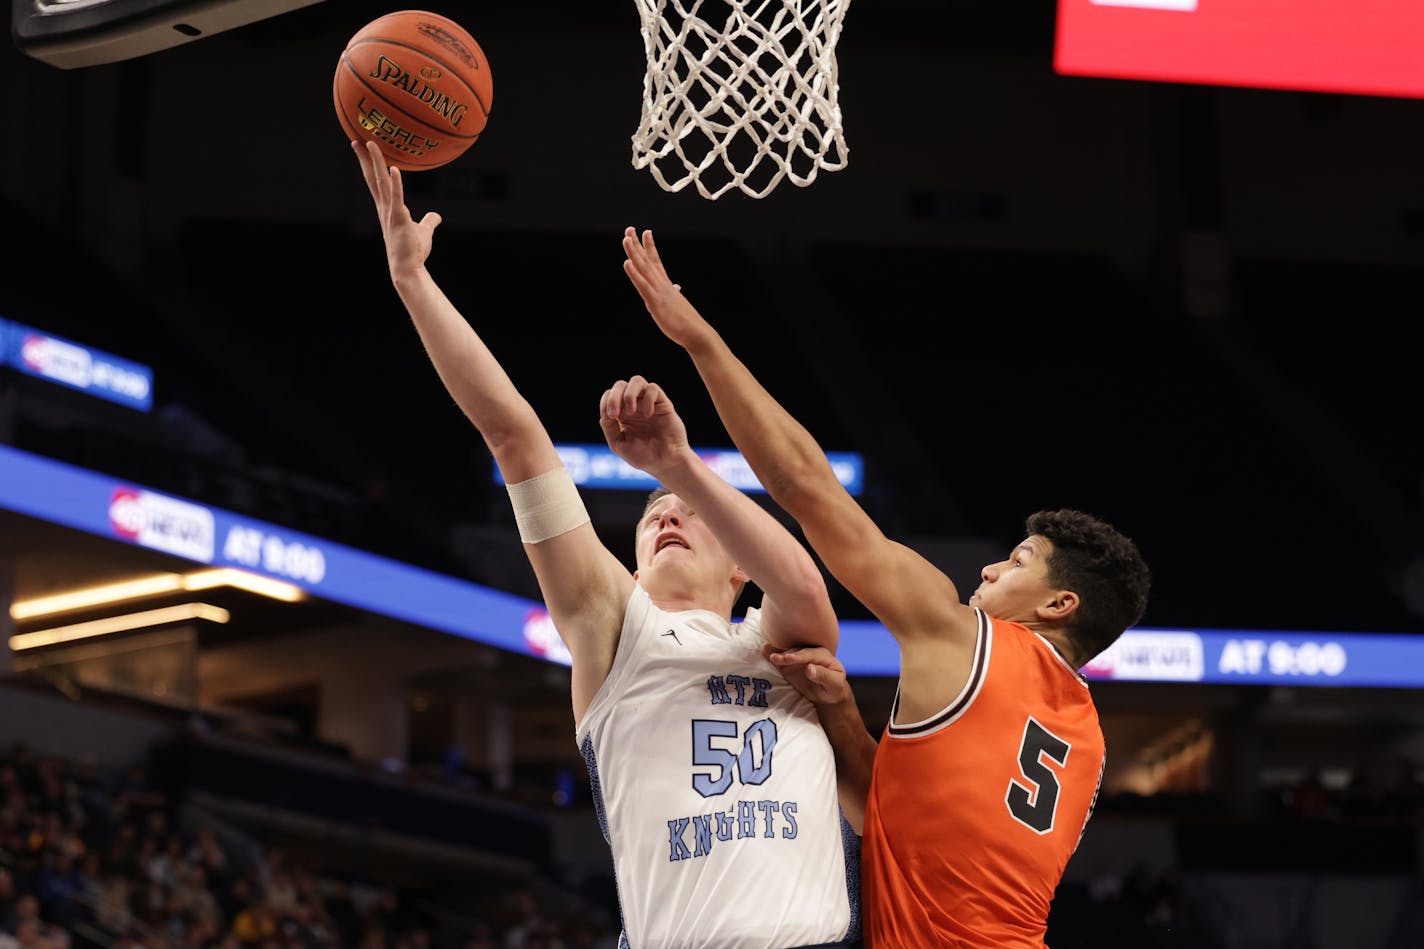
column 417, row 84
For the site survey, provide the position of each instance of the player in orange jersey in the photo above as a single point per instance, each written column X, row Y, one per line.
column 979, row 790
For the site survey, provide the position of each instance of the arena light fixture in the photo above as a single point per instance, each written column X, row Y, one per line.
column 242, row 580
column 124, row 622
column 158, row 584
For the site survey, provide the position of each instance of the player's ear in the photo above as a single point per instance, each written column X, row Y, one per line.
column 1060, row 607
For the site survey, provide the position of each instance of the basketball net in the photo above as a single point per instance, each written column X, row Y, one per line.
column 743, row 103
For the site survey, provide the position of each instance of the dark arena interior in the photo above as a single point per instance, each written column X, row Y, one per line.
column 1180, row 301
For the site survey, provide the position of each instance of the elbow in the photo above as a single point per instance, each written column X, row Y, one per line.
column 509, row 425
column 810, row 585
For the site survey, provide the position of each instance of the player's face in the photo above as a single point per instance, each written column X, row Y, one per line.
column 1014, row 588
column 672, row 537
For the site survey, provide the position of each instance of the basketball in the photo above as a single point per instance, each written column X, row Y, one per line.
column 417, row 84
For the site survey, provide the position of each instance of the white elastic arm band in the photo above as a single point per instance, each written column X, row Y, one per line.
column 547, row 505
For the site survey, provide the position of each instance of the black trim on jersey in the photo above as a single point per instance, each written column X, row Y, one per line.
column 1093, row 804
column 966, row 696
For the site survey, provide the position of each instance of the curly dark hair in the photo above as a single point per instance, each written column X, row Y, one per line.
column 1101, row 565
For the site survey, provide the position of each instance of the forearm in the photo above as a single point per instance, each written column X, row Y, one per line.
column 774, row 559
column 475, row 379
column 854, row 751
column 781, row 452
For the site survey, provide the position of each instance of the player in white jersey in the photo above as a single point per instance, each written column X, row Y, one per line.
column 715, row 787
column 665, row 747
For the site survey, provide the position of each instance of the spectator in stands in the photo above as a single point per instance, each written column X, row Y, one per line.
column 662, row 638
column 10, row 787
column 166, row 865
column 1310, row 799
column 255, row 923
column 8, row 896
column 12, row 829
column 482, row 937
column 61, row 887
column 207, row 854
column 527, row 922
column 27, row 935
column 56, row 791
column 123, row 851
column 171, row 901
column 191, row 897
column 341, row 911
column 93, row 797
column 32, row 930
column 278, row 886
column 306, row 927
column 112, row 900
column 134, row 796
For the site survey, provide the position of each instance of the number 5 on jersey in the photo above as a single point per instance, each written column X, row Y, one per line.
column 1036, row 806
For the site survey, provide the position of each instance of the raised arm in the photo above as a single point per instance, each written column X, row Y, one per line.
column 643, row 428
column 910, row 595
column 584, row 586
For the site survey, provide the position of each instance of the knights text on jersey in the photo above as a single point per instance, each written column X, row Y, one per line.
column 715, row 788
column 974, row 812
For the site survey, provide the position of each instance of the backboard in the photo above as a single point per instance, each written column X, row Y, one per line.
column 71, row 34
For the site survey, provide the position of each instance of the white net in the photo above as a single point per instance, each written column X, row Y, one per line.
column 740, row 93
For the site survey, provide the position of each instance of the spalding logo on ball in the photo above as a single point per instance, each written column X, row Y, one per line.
column 415, row 83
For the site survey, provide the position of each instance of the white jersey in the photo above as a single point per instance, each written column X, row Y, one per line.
column 716, row 790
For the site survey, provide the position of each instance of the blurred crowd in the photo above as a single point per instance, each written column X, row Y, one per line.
column 87, row 861
column 1385, row 790
column 95, row 861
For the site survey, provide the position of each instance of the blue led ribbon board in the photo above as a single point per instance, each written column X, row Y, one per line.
column 76, row 366
column 128, row 513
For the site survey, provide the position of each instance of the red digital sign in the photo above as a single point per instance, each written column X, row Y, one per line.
column 1360, row 47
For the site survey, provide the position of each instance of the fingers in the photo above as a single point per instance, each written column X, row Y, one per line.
column 790, row 658
column 640, row 283
column 801, row 656
column 652, row 249
column 635, row 266
column 368, row 170
column 621, row 400
column 633, row 398
column 610, row 404
column 397, row 188
column 643, row 253
column 383, row 181
column 611, row 430
column 649, row 397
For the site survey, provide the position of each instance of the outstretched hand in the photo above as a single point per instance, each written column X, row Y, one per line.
column 675, row 316
column 814, row 671
column 408, row 242
column 641, row 426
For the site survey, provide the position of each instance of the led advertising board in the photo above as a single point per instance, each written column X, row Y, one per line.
column 1361, row 47
column 76, row 366
column 129, row 513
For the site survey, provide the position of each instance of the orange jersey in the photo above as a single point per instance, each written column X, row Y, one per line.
column 973, row 813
